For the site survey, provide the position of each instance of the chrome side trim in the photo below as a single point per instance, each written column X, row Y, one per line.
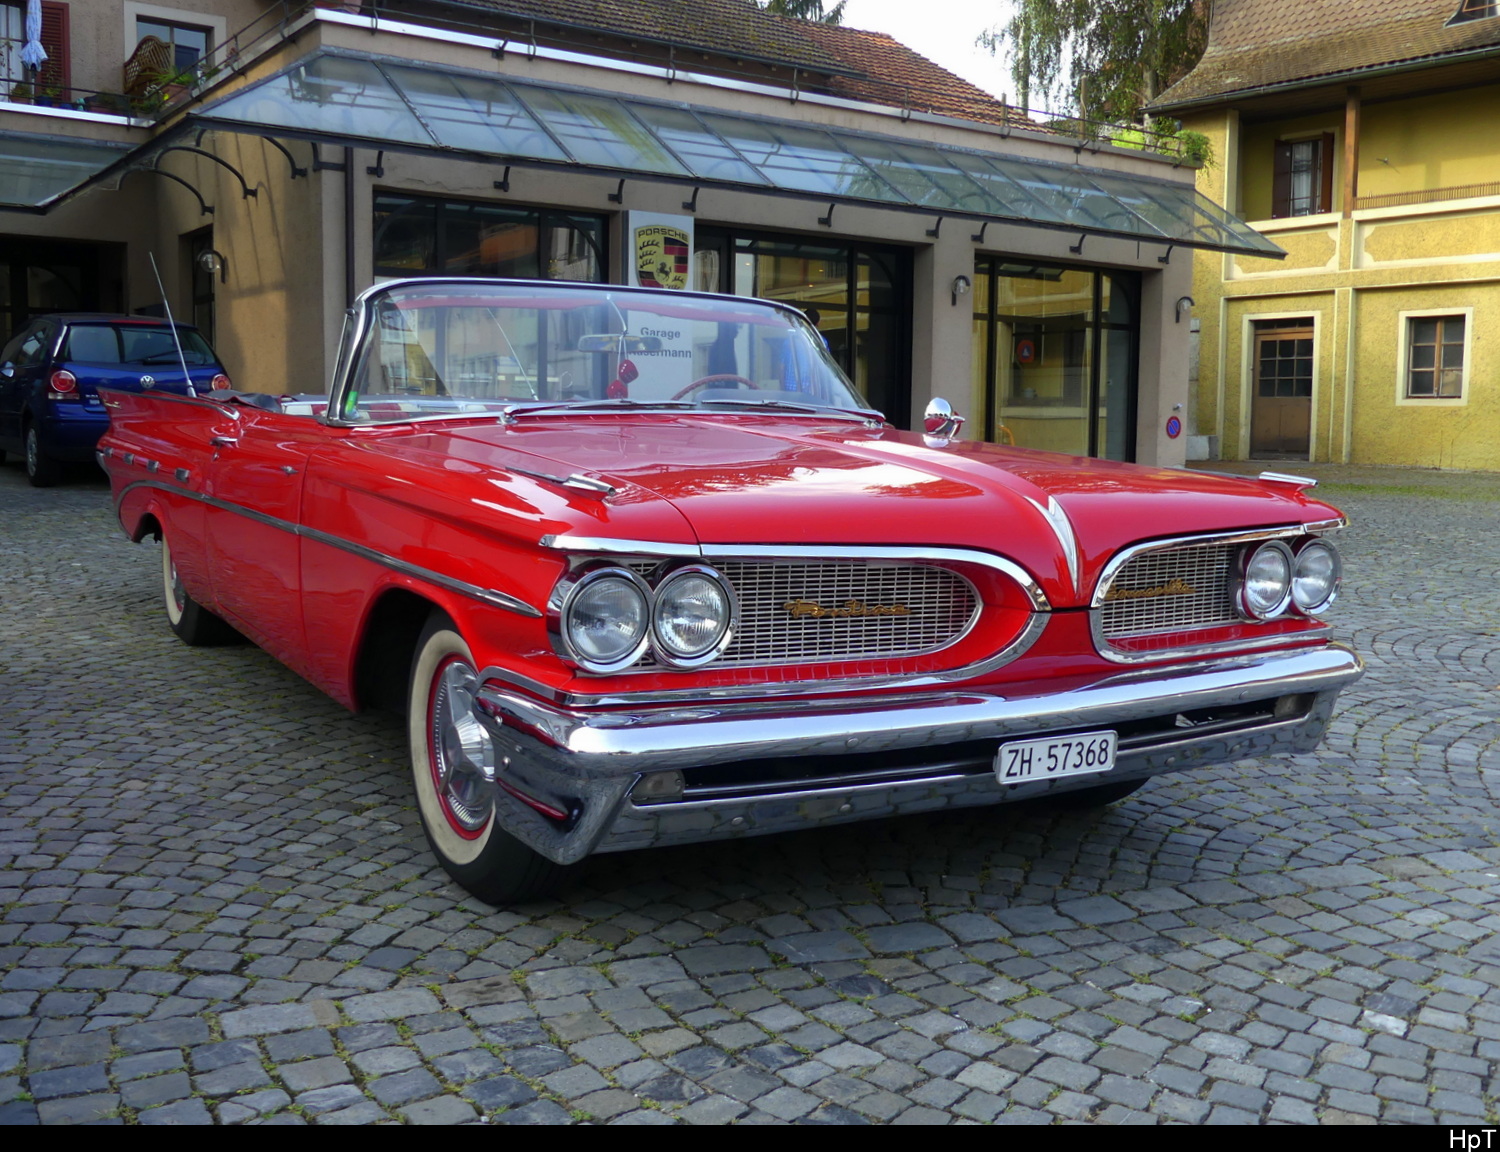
column 782, row 688
column 462, row 587
column 566, row 543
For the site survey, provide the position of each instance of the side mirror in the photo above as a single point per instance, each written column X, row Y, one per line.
column 940, row 420
column 7, row 369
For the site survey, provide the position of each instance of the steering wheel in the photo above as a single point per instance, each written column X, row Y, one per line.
column 722, row 377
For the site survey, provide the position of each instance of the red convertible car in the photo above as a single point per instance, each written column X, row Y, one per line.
column 641, row 568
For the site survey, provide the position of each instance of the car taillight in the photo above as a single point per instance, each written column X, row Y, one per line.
column 220, row 383
column 64, row 384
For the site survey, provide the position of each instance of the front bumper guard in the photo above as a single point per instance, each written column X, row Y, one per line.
column 587, row 762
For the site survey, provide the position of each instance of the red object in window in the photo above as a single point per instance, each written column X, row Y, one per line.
column 617, row 390
column 55, row 73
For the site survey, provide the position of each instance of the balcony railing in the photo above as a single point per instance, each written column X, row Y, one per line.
column 1428, row 195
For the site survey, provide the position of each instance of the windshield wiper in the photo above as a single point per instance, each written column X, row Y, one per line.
column 789, row 406
column 513, row 410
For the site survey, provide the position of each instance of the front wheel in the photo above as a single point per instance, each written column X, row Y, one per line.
column 42, row 471
column 452, row 765
column 194, row 624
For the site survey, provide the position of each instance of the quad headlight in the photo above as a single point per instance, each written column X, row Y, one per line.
column 1267, row 586
column 1276, row 580
column 603, row 619
column 1317, row 573
column 691, row 621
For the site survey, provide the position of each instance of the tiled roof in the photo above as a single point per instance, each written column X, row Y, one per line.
column 891, row 73
column 723, row 27
column 1256, row 43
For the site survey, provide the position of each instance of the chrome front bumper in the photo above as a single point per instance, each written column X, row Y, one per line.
column 587, row 763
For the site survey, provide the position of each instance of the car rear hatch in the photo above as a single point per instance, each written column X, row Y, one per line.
column 136, row 356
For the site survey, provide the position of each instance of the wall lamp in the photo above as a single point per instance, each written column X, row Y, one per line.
column 1177, row 312
column 213, row 261
column 961, row 286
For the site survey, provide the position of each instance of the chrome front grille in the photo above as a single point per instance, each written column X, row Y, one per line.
column 777, row 626
column 1176, row 589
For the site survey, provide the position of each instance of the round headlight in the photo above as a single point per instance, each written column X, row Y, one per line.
column 693, row 615
column 1268, row 581
column 1316, row 575
column 605, row 620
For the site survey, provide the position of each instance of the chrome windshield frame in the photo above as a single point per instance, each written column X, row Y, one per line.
column 354, row 351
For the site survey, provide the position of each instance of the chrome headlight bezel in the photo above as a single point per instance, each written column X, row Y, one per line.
column 662, row 648
column 1263, row 610
column 564, row 602
column 1335, row 583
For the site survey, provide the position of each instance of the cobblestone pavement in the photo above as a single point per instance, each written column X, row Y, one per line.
column 216, row 903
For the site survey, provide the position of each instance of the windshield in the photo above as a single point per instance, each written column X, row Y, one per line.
column 134, row 344
column 460, row 347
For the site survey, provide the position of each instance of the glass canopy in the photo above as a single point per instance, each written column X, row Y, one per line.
column 36, row 170
column 388, row 104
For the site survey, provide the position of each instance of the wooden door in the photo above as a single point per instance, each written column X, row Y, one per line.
column 1281, row 406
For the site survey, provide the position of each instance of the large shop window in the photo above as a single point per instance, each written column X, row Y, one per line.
column 857, row 295
column 420, row 236
column 1056, row 354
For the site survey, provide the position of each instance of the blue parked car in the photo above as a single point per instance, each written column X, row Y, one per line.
column 51, row 370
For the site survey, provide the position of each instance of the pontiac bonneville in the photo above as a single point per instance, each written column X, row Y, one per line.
column 641, row 568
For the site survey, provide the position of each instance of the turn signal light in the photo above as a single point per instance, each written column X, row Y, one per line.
column 63, row 381
column 220, row 383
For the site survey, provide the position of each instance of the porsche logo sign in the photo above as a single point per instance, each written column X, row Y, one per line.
column 662, row 256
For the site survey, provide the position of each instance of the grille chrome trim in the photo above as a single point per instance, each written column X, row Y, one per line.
column 942, row 608
column 1211, row 560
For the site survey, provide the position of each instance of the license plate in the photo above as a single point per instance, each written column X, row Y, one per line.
column 1053, row 757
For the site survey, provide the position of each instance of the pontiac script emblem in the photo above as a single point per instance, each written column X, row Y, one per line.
column 800, row 608
column 1176, row 587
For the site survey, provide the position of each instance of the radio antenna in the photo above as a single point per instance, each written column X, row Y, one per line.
column 172, row 325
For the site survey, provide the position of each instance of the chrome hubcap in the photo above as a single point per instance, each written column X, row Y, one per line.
column 463, row 757
column 179, row 598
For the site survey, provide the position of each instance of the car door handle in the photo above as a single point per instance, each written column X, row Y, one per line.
column 224, row 441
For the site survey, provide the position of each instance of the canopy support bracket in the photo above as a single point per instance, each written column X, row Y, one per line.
column 936, row 228
column 827, row 221
column 978, row 237
column 503, row 184
column 1077, row 249
column 378, row 168
column 204, row 209
column 692, row 205
column 282, row 148
column 321, row 165
column 1167, row 258
column 245, row 190
column 618, row 195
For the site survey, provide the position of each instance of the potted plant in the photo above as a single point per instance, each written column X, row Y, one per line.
column 22, row 92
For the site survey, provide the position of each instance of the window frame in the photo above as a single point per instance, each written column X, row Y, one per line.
column 216, row 26
column 1281, row 175
column 1474, row 10
column 1404, row 319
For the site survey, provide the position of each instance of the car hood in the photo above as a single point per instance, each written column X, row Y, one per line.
column 764, row 480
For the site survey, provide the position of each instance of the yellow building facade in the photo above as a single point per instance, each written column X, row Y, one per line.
column 1377, row 339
